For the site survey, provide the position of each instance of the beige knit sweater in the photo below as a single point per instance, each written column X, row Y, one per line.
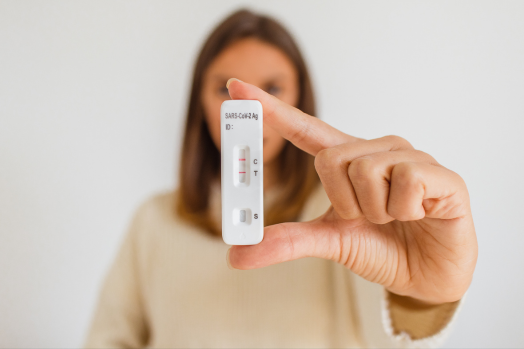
column 170, row 286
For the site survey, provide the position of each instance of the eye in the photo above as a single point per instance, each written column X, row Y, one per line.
column 273, row 90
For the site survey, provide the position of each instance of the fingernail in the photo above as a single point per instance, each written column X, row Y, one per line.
column 227, row 260
column 229, row 81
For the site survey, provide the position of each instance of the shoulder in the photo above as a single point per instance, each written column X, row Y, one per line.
column 159, row 205
column 158, row 212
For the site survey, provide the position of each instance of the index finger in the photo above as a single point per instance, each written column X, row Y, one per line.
column 305, row 131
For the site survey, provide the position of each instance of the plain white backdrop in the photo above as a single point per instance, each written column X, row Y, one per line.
column 92, row 103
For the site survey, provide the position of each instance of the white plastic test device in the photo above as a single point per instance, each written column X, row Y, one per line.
column 242, row 173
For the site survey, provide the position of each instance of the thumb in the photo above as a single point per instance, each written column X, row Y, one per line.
column 289, row 241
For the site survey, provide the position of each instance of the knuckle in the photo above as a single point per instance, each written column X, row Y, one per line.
column 423, row 156
column 320, row 161
column 361, row 169
column 456, row 176
column 461, row 181
column 326, row 160
column 406, row 174
column 398, row 142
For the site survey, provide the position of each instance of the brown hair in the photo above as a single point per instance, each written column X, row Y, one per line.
column 200, row 161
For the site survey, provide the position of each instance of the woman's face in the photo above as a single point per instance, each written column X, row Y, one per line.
column 258, row 63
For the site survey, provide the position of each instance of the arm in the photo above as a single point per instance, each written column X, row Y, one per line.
column 397, row 218
column 119, row 320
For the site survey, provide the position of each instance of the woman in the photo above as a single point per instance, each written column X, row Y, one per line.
column 381, row 210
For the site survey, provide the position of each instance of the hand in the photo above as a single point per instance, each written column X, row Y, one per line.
column 398, row 218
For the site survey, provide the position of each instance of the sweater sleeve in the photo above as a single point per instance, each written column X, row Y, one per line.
column 416, row 321
column 389, row 322
column 119, row 319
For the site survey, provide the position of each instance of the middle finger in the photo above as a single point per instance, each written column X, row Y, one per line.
column 332, row 167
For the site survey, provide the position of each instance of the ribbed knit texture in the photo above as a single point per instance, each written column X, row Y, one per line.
column 169, row 286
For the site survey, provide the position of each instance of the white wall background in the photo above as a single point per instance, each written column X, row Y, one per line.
column 92, row 100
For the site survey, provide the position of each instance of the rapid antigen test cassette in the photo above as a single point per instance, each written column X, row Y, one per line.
column 242, row 172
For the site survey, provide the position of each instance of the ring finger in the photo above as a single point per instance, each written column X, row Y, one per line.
column 370, row 176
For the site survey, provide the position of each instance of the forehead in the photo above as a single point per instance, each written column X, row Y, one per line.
column 251, row 60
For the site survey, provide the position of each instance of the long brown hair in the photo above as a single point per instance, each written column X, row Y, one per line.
column 200, row 161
